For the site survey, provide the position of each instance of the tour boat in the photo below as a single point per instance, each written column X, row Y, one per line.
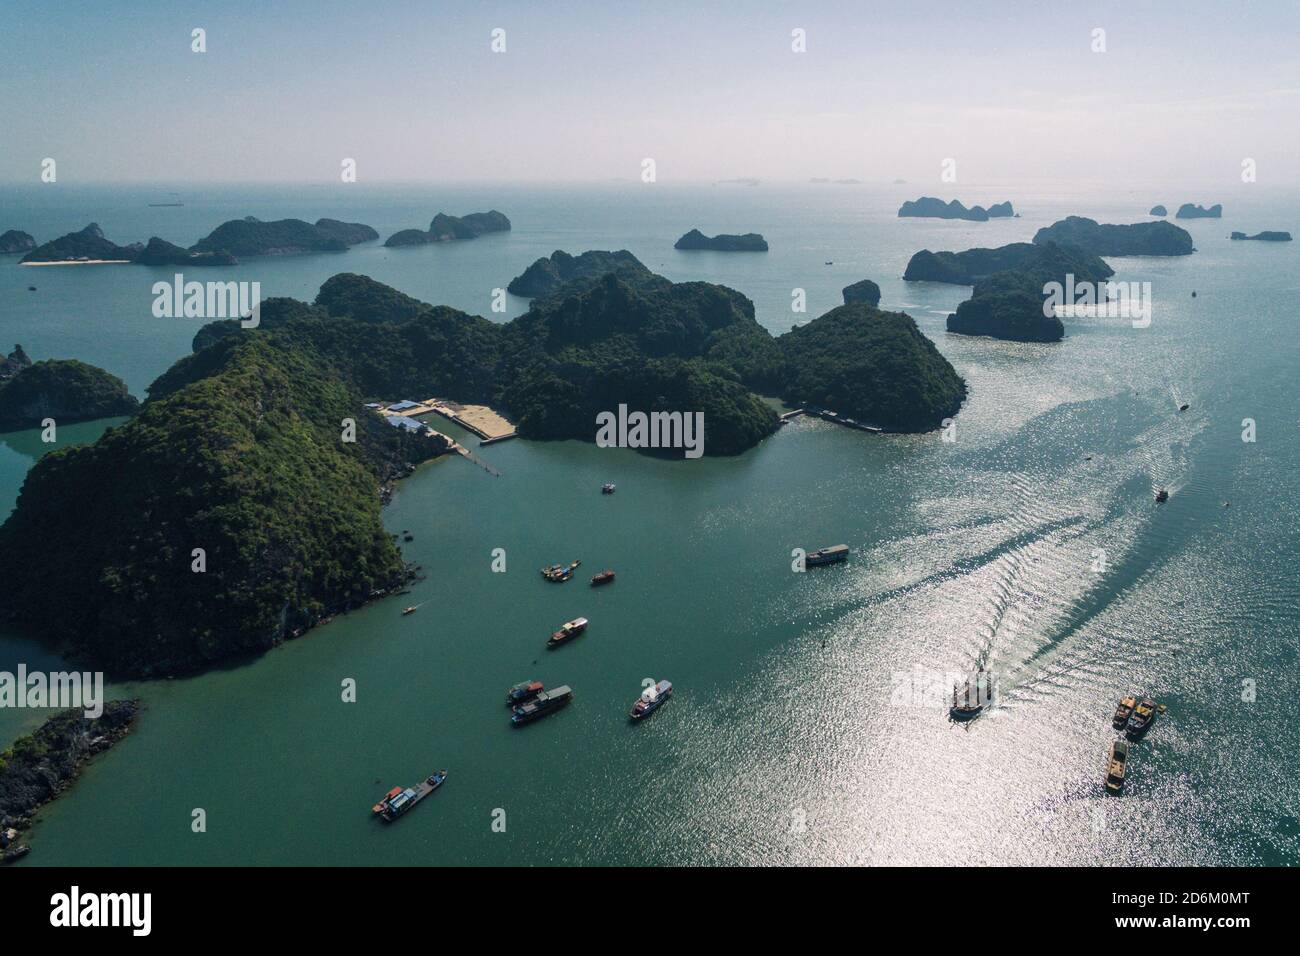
column 567, row 631
column 604, row 577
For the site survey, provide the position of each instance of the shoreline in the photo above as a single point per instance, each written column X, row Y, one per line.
column 80, row 262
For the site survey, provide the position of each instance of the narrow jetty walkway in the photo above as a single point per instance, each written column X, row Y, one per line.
column 470, row 456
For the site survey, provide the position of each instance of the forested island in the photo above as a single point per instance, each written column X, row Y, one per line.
column 931, row 208
column 969, row 267
column 239, row 450
column 221, row 247
column 547, row 274
column 876, row 367
column 160, row 252
column 1009, row 304
column 1158, row 211
column 1136, row 239
column 88, row 243
column 445, row 228
column 251, row 236
column 749, row 242
column 64, row 390
column 1191, row 211
column 13, row 241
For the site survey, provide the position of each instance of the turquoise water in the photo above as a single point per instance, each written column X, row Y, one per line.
column 788, row 739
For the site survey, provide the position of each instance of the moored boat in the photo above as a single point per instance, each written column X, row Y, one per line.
column 607, row 488
column 1162, row 496
column 831, row 555
column 410, row 610
column 651, row 699
column 394, row 806
column 560, row 572
column 604, row 577
column 382, row 805
column 523, row 692
column 1143, row 716
column 1123, row 712
column 547, row 702
column 1117, row 765
column 567, row 631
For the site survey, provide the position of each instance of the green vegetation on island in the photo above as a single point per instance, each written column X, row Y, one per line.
column 251, row 236
column 1009, row 304
column 350, row 233
column 1158, row 211
column 247, row 461
column 547, row 274
column 64, row 390
column 86, row 244
column 39, row 766
column 1192, row 211
column 240, row 449
column 749, row 242
column 13, row 241
column 160, row 252
column 969, row 267
column 864, row 291
column 445, row 228
column 1136, row 239
column 873, row 366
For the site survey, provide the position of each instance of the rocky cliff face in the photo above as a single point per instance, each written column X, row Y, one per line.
column 39, row 767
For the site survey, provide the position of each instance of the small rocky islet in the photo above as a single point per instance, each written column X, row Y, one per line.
column 40, row 766
column 696, row 240
column 1192, row 211
column 1266, row 236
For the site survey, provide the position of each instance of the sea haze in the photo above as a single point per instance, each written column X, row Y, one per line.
column 785, row 741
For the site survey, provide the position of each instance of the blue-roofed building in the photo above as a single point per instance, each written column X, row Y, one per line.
column 404, row 405
column 410, row 424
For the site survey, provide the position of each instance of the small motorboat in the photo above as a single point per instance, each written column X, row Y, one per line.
column 604, row 577
column 410, row 610
column 1162, row 496
column 1184, row 407
column 1117, row 765
column 523, row 692
column 607, row 488
column 1123, row 712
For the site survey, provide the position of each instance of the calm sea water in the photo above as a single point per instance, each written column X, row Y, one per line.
column 788, row 739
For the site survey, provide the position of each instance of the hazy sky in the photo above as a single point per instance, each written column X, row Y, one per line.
column 710, row 90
